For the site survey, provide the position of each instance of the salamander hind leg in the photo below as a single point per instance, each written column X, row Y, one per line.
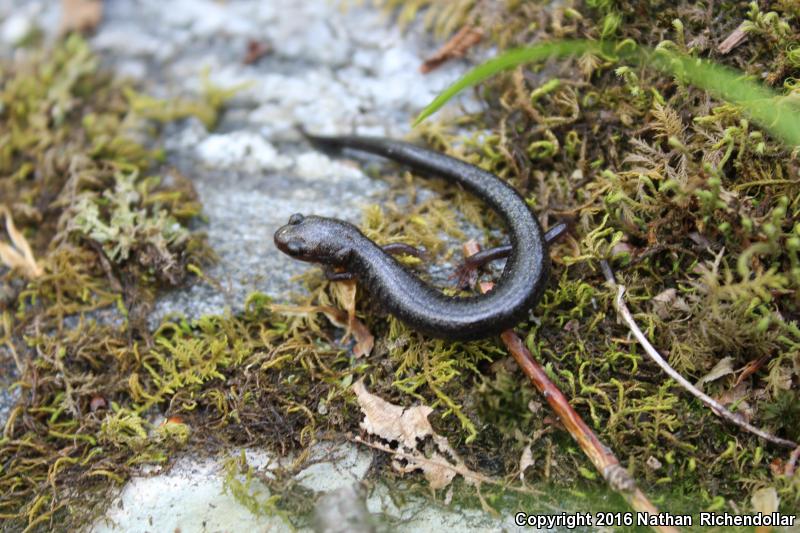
column 467, row 272
column 466, row 275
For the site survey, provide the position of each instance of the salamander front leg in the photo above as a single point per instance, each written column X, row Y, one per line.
column 333, row 275
column 396, row 248
column 393, row 248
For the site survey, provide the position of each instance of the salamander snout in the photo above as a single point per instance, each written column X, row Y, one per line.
column 289, row 238
column 313, row 238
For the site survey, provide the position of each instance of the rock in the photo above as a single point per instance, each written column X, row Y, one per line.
column 343, row 511
column 15, row 29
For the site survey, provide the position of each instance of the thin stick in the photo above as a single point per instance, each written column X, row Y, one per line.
column 790, row 466
column 599, row 454
column 716, row 407
column 736, row 37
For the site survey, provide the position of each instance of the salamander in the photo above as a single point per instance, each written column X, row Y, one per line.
column 336, row 243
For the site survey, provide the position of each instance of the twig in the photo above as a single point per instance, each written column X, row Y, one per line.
column 255, row 51
column 598, row 453
column 736, row 37
column 708, row 401
column 790, row 466
column 456, row 47
column 19, row 253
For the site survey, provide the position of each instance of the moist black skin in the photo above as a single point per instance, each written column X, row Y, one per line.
column 398, row 291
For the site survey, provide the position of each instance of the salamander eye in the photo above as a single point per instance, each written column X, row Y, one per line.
column 294, row 247
column 295, row 219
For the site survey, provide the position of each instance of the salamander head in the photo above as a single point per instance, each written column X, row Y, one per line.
column 316, row 239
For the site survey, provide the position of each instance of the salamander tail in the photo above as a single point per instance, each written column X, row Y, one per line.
column 321, row 142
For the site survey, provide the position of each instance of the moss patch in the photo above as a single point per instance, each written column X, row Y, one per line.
column 107, row 224
column 694, row 205
column 698, row 210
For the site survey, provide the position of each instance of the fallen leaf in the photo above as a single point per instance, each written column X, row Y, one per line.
column 470, row 248
column 765, row 501
column 448, row 497
column 525, row 461
column 653, row 463
column 667, row 300
column 572, row 325
column 722, row 368
column 666, row 296
column 751, row 368
column 393, row 422
column 457, row 46
column 338, row 317
column 622, row 248
column 364, row 339
column 738, row 396
column 20, row 255
column 776, row 466
column 437, row 470
column 346, row 295
column 408, row 427
column 734, row 395
column 80, row 15
column 96, row 403
column 791, row 464
column 255, row 51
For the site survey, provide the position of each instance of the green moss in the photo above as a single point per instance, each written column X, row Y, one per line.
column 695, row 206
column 107, row 232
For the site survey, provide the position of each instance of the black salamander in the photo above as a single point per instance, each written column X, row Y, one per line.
column 336, row 243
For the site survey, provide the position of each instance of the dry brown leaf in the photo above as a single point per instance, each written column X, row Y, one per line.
column 722, row 368
column 346, row 295
column 788, row 470
column 525, row 461
column 80, row 15
column 393, row 422
column 338, row 317
column 457, row 46
column 408, row 427
column 653, row 463
column 751, row 368
column 448, row 497
column 734, row 395
column 765, row 501
column 255, row 51
column 19, row 256
column 738, row 396
column 437, row 470
column 667, row 300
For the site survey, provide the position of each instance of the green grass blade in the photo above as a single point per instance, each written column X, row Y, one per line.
column 767, row 108
column 773, row 112
column 505, row 61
